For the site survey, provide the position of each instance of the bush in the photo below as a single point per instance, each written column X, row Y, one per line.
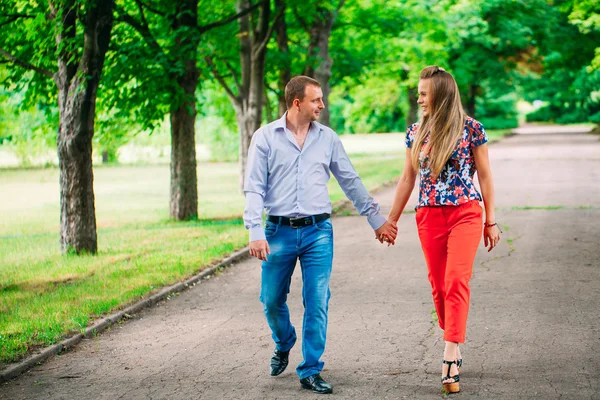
column 565, row 115
column 374, row 106
column 576, row 101
column 542, row 114
column 595, row 118
column 499, row 123
column 497, row 112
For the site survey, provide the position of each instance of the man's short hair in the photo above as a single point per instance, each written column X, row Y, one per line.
column 296, row 87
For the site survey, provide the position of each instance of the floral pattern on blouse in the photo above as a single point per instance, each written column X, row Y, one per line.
column 455, row 185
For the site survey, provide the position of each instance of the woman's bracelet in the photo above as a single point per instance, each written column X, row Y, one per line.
column 494, row 224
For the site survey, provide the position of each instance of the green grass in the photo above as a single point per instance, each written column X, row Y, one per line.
column 46, row 296
column 518, row 208
column 497, row 134
column 374, row 169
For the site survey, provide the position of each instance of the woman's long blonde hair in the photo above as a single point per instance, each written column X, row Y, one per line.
column 444, row 123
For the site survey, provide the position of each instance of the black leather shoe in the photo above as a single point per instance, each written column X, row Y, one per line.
column 316, row 384
column 279, row 361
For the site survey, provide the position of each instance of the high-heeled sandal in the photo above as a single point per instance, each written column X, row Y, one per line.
column 451, row 387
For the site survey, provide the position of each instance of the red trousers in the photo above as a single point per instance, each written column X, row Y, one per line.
column 449, row 237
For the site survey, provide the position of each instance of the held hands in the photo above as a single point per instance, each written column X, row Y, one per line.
column 387, row 233
column 491, row 236
column 260, row 249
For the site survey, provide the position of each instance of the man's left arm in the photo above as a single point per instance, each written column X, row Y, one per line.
column 355, row 190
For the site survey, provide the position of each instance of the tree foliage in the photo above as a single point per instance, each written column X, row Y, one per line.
column 564, row 81
column 500, row 51
column 585, row 15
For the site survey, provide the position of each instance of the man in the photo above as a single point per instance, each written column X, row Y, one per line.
column 289, row 164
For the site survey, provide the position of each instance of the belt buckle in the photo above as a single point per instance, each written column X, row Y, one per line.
column 303, row 221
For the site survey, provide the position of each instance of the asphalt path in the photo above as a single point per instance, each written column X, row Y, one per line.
column 533, row 329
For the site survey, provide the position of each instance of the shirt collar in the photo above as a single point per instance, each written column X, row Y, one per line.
column 280, row 124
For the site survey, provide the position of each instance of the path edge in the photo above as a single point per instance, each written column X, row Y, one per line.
column 15, row 370
column 19, row 368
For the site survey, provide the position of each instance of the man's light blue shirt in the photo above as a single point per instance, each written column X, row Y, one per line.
column 292, row 182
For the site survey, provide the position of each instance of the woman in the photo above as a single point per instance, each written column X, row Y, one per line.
column 446, row 147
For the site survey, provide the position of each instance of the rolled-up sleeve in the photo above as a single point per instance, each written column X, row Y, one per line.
column 255, row 185
column 352, row 185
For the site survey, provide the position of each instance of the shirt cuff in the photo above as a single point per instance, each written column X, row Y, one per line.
column 376, row 221
column 257, row 233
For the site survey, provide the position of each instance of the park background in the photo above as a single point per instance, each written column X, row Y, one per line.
column 146, row 108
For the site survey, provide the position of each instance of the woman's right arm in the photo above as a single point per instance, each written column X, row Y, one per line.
column 404, row 188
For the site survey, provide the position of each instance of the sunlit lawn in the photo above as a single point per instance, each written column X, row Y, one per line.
column 44, row 296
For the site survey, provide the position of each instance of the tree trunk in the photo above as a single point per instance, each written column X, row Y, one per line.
column 322, row 75
column 74, row 142
column 253, row 37
column 249, row 112
column 184, row 179
column 471, row 96
column 109, row 155
column 77, row 89
column 245, row 130
column 318, row 54
column 285, row 72
column 270, row 112
column 257, row 88
column 253, row 52
column 412, row 116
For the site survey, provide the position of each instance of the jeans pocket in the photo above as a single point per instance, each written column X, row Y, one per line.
column 271, row 229
column 324, row 225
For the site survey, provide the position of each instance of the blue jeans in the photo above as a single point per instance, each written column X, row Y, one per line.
column 313, row 245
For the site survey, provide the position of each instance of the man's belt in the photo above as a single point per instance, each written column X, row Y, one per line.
column 298, row 222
